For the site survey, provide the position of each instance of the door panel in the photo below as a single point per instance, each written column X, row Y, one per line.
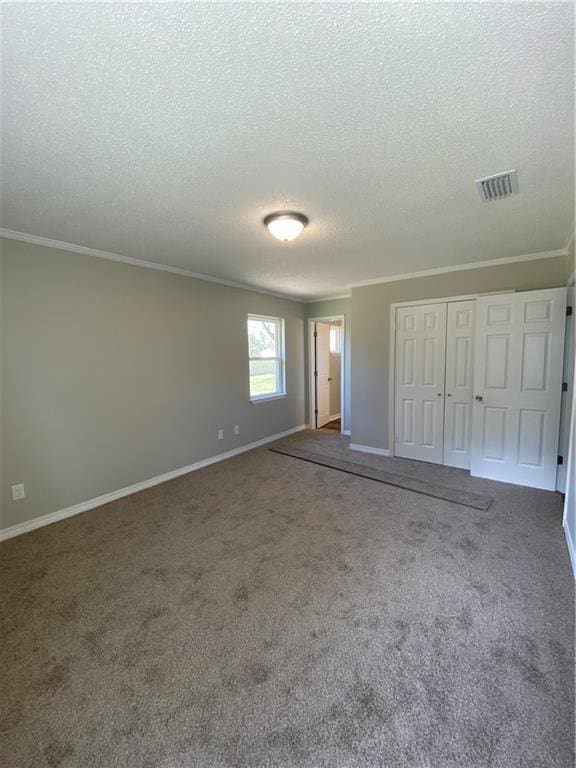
column 531, row 438
column 534, row 361
column 322, row 374
column 462, row 359
column 494, row 434
column 408, row 436
column 409, row 351
column 419, row 384
column 497, row 360
column 518, row 372
column 459, row 369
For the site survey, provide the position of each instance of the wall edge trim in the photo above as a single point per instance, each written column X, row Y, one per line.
column 462, row 267
column 570, row 237
column 369, row 449
column 571, row 548
column 61, row 514
column 83, row 250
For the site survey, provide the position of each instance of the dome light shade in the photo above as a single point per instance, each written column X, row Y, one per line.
column 285, row 225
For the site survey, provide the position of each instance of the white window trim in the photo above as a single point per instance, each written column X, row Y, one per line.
column 281, row 358
column 256, row 400
column 338, row 329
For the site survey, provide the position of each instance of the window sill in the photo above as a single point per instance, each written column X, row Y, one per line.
column 266, row 398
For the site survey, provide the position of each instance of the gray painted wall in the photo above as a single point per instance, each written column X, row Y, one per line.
column 113, row 374
column 332, row 308
column 370, row 342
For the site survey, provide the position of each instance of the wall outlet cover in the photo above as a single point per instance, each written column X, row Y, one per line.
column 220, row 434
column 18, row 492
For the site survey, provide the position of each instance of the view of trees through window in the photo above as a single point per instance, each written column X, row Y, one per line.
column 265, row 345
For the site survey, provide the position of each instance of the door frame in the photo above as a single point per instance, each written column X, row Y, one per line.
column 569, row 377
column 392, row 355
column 312, row 367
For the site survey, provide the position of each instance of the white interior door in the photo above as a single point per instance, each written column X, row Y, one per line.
column 419, row 382
column 459, row 373
column 517, row 386
column 322, row 374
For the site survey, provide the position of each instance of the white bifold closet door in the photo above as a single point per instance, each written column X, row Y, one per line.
column 459, row 380
column 433, row 382
column 517, row 386
column 419, row 382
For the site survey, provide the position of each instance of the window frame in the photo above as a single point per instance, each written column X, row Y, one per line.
column 338, row 333
column 280, row 358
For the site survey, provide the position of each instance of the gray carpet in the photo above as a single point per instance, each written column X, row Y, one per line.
column 266, row 612
column 410, row 483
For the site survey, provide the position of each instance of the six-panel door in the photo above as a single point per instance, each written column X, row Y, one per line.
column 517, row 386
column 419, row 382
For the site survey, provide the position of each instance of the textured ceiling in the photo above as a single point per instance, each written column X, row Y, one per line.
column 166, row 131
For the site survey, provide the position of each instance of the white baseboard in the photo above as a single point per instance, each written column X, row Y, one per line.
column 84, row 506
column 346, row 432
column 571, row 548
column 369, row 449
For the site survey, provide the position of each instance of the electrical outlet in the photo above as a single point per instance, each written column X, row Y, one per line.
column 237, row 429
column 220, row 434
column 18, row 492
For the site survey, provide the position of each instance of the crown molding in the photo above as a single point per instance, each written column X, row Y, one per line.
column 336, row 297
column 24, row 237
column 85, row 251
column 462, row 267
column 570, row 239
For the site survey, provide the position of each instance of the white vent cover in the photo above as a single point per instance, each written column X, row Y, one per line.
column 497, row 187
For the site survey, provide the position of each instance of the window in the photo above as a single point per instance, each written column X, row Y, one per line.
column 266, row 352
column 335, row 339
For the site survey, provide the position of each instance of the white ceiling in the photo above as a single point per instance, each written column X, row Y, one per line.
column 167, row 131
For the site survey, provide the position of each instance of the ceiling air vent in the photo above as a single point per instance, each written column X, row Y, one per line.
column 497, row 187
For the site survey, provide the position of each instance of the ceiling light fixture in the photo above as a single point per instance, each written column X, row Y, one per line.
column 285, row 225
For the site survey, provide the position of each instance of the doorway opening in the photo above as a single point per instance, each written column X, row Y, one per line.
column 327, row 364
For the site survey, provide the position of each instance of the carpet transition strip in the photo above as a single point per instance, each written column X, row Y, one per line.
column 455, row 495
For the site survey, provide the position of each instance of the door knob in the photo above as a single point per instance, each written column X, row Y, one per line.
column 449, row 394
column 329, row 378
column 479, row 398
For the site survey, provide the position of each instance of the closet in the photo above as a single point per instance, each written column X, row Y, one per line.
column 434, row 356
column 478, row 383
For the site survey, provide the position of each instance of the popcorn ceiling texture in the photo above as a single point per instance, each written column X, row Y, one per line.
column 167, row 131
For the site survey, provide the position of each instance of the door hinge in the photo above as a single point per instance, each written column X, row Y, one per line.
column 568, row 311
column 564, row 386
column 315, row 373
column 560, row 460
column 316, row 411
column 315, row 334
